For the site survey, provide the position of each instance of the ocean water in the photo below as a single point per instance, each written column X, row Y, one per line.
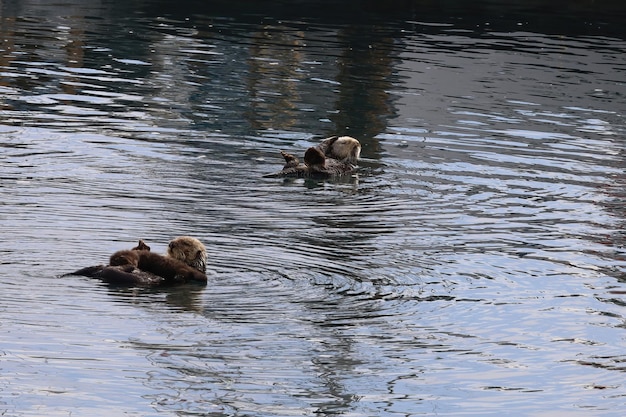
column 474, row 265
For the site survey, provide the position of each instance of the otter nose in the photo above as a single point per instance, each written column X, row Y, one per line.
column 171, row 245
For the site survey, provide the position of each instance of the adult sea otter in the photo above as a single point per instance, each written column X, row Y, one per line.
column 334, row 156
column 185, row 262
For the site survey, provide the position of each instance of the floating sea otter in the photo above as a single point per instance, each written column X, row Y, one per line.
column 185, row 262
column 334, row 156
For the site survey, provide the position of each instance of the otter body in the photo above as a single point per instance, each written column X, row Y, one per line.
column 334, row 156
column 172, row 270
column 186, row 262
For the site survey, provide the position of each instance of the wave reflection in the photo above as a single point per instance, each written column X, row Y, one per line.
column 474, row 264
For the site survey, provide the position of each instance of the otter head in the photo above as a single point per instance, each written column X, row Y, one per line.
column 125, row 258
column 190, row 251
column 345, row 149
column 314, row 158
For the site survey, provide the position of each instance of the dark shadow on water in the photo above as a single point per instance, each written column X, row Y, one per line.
column 311, row 183
column 559, row 17
column 186, row 297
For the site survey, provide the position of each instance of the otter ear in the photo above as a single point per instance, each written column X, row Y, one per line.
column 313, row 156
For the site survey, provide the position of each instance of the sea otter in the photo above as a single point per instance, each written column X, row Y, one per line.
column 186, row 262
column 334, row 156
column 170, row 269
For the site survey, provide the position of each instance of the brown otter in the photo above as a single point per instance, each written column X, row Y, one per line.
column 189, row 250
column 333, row 156
column 172, row 270
column 96, row 271
column 140, row 267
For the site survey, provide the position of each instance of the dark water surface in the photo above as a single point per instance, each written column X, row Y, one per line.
column 474, row 266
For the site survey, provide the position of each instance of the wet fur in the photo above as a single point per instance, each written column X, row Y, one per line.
column 140, row 267
column 172, row 270
column 334, row 156
column 190, row 251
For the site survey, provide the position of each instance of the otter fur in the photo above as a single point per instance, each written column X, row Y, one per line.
column 172, row 270
column 186, row 262
column 189, row 250
column 334, row 156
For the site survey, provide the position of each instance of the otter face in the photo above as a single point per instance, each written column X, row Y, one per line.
column 190, row 251
column 345, row 148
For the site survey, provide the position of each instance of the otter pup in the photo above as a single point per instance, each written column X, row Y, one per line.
column 333, row 156
column 140, row 267
column 125, row 272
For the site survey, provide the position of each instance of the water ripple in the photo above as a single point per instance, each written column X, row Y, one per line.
column 474, row 264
